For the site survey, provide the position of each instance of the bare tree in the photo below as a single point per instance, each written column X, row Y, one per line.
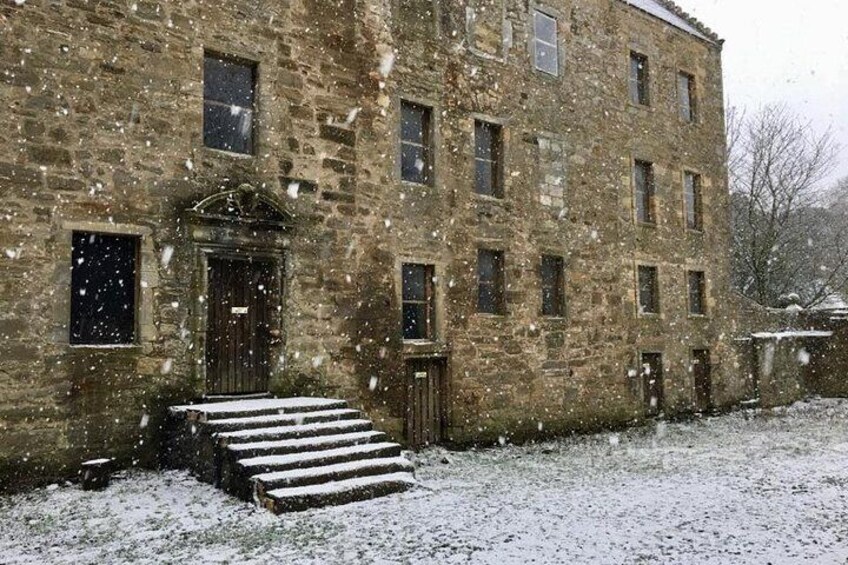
column 785, row 239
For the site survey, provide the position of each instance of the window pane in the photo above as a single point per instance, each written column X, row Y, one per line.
column 545, row 27
column 228, row 128
column 484, row 179
column 490, row 295
column 228, row 82
column 412, row 123
column 643, row 192
column 103, row 289
column 483, row 140
column 415, row 321
column 691, row 200
column 648, row 299
column 696, row 292
column 684, row 89
column 486, row 266
column 414, row 282
column 552, row 303
column 638, row 79
column 413, row 164
column 547, row 58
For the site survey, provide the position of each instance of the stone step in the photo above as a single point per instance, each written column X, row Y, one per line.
column 275, row 463
column 302, row 445
column 271, row 420
column 293, row 432
column 255, row 407
column 336, row 492
column 266, row 482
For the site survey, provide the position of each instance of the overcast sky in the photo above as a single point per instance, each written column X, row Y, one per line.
column 782, row 51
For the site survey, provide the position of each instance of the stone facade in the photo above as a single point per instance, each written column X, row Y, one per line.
column 103, row 112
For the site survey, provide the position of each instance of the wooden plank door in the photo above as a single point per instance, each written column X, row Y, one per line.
column 238, row 333
column 652, row 374
column 703, row 379
column 425, row 414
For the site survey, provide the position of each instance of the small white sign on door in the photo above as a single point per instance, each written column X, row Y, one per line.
column 239, row 310
column 421, row 374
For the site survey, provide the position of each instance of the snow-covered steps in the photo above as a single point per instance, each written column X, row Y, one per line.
column 265, row 482
column 271, row 420
column 256, row 407
column 337, row 492
column 287, row 453
column 283, row 432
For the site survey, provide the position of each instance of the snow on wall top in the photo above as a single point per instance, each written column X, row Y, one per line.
column 662, row 10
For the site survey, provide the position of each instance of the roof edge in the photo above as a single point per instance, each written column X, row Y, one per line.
column 686, row 16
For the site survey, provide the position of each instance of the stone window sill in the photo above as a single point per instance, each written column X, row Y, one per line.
column 104, row 347
column 424, row 348
column 211, row 151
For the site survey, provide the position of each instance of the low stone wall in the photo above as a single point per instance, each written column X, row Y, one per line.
column 827, row 373
column 781, row 363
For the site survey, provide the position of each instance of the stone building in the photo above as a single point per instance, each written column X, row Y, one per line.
column 473, row 219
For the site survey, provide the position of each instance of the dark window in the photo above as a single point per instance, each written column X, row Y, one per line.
column 652, row 375
column 103, row 288
column 639, row 93
column 643, row 179
column 415, row 143
column 487, row 159
column 686, row 96
column 649, row 292
column 697, row 293
column 553, row 303
column 228, row 92
column 692, row 198
column 490, row 281
column 545, row 50
column 418, row 301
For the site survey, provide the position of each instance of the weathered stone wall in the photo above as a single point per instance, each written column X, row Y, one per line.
column 102, row 103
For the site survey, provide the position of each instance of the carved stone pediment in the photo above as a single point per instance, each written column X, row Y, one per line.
column 243, row 205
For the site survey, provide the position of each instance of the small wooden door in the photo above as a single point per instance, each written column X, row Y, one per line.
column 703, row 379
column 652, row 375
column 238, row 336
column 425, row 405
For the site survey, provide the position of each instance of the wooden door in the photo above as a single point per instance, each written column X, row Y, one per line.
column 652, row 375
column 703, row 379
column 238, row 336
column 425, row 406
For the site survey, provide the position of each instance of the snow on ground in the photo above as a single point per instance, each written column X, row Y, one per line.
column 752, row 487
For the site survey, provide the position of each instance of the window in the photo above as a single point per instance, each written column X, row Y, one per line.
column 692, row 201
column 686, row 96
column 639, row 79
column 490, row 282
column 415, row 151
column 649, row 291
column 228, row 92
column 643, row 180
column 487, row 159
column 553, row 269
column 652, row 382
column 697, row 293
column 545, row 50
column 418, row 301
column 103, row 288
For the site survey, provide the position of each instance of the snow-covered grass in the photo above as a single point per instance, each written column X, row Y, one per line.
column 751, row 487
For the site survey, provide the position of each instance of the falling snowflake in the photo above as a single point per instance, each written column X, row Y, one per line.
column 167, row 254
column 167, row 364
